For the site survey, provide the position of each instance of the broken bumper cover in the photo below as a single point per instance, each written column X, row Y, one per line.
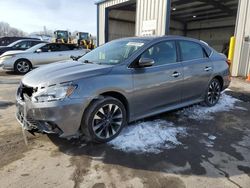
column 58, row 117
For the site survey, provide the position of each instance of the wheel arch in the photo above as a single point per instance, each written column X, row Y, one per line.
column 83, row 128
column 23, row 59
column 117, row 95
column 120, row 97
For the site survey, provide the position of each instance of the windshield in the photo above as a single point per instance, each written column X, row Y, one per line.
column 62, row 34
column 84, row 35
column 14, row 43
column 113, row 52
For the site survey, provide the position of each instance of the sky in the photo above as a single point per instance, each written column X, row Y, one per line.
column 33, row 15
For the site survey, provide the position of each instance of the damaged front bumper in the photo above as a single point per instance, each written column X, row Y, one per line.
column 58, row 117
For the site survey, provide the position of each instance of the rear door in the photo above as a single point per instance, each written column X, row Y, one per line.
column 197, row 69
column 159, row 86
column 65, row 51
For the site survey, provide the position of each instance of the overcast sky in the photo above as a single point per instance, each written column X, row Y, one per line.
column 32, row 15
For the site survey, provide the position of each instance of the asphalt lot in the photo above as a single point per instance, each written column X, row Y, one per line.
column 191, row 147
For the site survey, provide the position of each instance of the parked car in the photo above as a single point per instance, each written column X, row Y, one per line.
column 20, row 45
column 120, row 82
column 23, row 61
column 4, row 41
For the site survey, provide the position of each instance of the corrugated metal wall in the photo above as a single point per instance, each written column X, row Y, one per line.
column 151, row 10
column 102, row 7
column 241, row 62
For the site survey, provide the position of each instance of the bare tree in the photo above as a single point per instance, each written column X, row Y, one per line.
column 7, row 30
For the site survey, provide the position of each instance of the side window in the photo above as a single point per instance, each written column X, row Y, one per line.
column 64, row 47
column 162, row 53
column 46, row 48
column 50, row 48
column 19, row 44
column 191, row 51
column 55, row 48
column 35, row 43
column 208, row 51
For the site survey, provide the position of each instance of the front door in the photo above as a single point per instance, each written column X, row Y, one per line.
column 50, row 53
column 159, row 86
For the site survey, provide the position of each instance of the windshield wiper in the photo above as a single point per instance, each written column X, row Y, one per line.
column 87, row 61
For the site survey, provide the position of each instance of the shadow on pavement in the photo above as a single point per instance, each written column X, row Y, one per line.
column 229, row 128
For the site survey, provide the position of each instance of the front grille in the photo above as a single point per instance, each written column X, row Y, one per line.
column 28, row 123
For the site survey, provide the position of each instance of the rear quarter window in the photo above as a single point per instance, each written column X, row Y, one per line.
column 207, row 50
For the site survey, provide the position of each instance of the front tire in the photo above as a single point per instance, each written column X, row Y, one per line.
column 213, row 93
column 22, row 66
column 104, row 120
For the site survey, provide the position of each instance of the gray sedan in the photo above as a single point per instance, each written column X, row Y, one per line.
column 119, row 82
column 40, row 54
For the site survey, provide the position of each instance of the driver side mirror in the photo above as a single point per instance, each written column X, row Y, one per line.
column 38, row 51
column 146, row 62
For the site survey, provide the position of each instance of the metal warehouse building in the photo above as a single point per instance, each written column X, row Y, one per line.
column 213, row 21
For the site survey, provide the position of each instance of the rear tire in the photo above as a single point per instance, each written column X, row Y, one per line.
column 22, row 66
column 104, row 120
column 213, row 93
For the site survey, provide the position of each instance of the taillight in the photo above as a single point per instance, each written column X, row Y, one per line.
column 229, row 62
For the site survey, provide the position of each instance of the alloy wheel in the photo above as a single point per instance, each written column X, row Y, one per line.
column 107, row 121
column 23, row 66
column 214, row 91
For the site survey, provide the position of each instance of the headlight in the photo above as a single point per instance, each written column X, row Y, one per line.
column 6, row 57
column 54, row 93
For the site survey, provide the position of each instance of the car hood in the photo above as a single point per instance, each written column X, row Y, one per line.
column 4, row 49
column 13, row 52
column 64, row 71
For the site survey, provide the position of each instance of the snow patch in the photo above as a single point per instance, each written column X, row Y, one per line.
column 241, row 108
column 198, row 112
column 148, row 137
column 211, row 137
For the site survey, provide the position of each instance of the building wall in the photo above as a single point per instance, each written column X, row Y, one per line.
column 216, row 33
column 241, row 62
column 177, row 28
column 151, row 10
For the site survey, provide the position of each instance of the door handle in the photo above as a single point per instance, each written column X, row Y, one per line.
column 176, row 74
column 208, row 69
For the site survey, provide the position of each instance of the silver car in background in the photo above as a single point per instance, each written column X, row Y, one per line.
column 23, row 61
column 120, row 82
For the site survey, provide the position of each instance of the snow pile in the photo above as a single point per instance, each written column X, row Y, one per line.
column 197, row 112
column 148, row 137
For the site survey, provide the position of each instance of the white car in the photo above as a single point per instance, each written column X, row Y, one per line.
column 23, row 61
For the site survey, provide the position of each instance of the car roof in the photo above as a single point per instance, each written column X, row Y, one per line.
column 151, row 38
column 68, row 44
column 30, row 40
